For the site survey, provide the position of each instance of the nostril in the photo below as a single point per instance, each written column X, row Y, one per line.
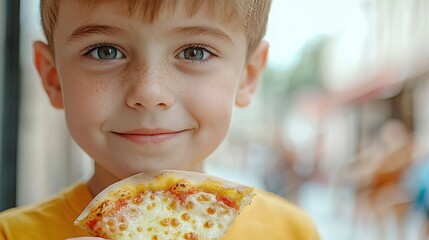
column 138, row 106
column 162, row 105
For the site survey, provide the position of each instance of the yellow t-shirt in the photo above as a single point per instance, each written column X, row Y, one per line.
column 268, row 217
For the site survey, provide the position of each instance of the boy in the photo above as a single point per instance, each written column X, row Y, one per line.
column 149, row 85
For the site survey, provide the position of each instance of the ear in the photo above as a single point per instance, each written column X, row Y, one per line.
column 252, row 74
column 45, row 65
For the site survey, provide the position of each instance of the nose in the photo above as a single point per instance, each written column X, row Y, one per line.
column 149, row 89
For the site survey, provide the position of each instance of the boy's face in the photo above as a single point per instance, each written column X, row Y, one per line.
column 140, row 96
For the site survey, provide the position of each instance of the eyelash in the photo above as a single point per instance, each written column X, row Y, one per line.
column 204, row 47
column 87, row 51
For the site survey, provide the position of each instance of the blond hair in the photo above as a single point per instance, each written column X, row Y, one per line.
column 250, row 15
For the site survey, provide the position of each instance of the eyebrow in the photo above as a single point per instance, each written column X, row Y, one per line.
column 202, row 30
column 93, row 29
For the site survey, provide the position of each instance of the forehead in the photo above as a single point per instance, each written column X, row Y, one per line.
column 229, row 11
column 80, row 22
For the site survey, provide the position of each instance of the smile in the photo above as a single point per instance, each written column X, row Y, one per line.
column 149, row 136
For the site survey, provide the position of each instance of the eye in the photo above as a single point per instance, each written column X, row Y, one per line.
column 195, row 53
column 106, row 53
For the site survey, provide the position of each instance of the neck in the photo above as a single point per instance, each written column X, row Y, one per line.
column 100, row 180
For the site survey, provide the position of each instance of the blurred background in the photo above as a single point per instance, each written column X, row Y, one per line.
column 339, row 125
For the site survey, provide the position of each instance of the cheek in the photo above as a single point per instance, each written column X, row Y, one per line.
column 212, row 102
column 85, row 99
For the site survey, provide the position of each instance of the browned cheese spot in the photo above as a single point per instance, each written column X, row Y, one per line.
column 133, row 210
column 208, row 224
column 111, row 222
column 151, row 206
column 191, row 236
column 123, row 227
column 101, row 208
column 181, row 186
column 225, row 212
column 203, row 198
column 152, row 197
column 185, row 216
column 138, row 199
column 211, row 210
column 165, row 222
column 175, row 222
column 139, row 229
column 154, row 237
column 189, row 205
column 172, row 205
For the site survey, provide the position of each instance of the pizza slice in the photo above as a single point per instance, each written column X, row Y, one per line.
column 165, row 205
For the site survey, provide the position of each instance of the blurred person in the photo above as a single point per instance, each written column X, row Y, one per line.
column 150, row 85
column 377, row 175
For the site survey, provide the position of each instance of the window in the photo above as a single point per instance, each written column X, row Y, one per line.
column 9, row 103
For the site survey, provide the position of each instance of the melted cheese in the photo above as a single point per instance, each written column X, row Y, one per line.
column 161, row 215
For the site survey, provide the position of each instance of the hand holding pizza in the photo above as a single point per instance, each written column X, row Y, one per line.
column 165, row 205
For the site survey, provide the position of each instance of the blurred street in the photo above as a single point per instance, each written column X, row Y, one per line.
column 332, row 210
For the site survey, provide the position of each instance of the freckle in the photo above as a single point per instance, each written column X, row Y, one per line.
column 140, row 69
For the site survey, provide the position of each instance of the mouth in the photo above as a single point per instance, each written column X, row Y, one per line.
column 149, row 136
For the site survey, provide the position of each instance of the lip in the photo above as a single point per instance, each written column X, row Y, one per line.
column 147, row 136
